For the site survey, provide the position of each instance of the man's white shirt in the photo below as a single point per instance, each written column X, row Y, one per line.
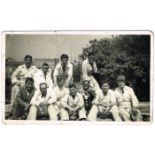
column 37, row 99
column 40, row 78
column 127, row 98
column 70, row 101
column 21, row 73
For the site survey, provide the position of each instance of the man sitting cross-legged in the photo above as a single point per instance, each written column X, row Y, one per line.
column 106, row 104
column 23, row 98
column 43, row 104
column 73, row 105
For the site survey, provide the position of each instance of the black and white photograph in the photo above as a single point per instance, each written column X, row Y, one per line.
column 88, row 76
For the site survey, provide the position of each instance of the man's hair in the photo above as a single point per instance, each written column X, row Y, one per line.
column 29, row 79
column 64, row 56
column 86, row 81
column 71, row 85
column 90, row 54
column 105, row 81
column 43, row 83
column 45, row 64
column 28, row 56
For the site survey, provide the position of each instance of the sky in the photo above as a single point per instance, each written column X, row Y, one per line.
column 47, row 45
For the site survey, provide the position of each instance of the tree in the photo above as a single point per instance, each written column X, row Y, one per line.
column 124, row 54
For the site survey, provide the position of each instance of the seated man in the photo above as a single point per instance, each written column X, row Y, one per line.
column 23, row 98
column 60, row 90
column 89, row 95
column 73, row 105
column 127, row 101
column 43, row 104
column 43, row 75
column 106, row 103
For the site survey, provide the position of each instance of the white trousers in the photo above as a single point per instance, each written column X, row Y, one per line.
column 65, row 114
column 14, row 92
column 53, row 111
column 95, row 110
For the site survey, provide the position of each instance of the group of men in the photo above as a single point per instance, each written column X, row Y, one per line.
column 43, row 94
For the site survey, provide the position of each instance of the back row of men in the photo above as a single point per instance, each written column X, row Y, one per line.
column 35, row 94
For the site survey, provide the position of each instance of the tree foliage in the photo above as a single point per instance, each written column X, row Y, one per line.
column 124, row 54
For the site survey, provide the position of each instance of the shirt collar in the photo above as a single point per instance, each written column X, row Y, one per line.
column 107, row 93
column 26, row 67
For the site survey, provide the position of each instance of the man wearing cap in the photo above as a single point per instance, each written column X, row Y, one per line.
column 43, row 75
column 20, row 74
column 126, row 100
column 63, row 69
column 43, row 104
column 89, row 69
column 106, row 104
column 73, row 105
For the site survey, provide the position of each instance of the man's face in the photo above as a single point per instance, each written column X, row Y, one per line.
column 28, row 62
column 86, row 85
column 105, row 87
column 29, row 85
column 64, row 61
column 45, row 69
column 91, row 59
column 72, row 91
column 121, row 84
column 60, row 83
column 43, row 89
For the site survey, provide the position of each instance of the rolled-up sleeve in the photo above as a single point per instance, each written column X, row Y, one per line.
column 15, row 75
column 112, row 98
column 52, row 99
column 81, row 101
column 64, row 101
column 34, row 100
column 70, row 72
column 133, row 98
column 84, row 70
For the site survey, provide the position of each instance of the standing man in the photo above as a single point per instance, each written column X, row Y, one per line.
column 127, row 101
column 20, row 74
column 73, row 105
column 22, row 102
column 43, row 104
column 106, row 103
column 89, row 69
column 43, row 75
column 63, row 69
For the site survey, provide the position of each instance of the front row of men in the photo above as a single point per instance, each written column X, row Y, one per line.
column 61, row 103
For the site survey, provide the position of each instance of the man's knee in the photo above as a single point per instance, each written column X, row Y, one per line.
column 32, row 113
column 53, row 112
column 124, row 114
column 82, row 114
column 64, row 115
column 93, row 113
column 115, row 113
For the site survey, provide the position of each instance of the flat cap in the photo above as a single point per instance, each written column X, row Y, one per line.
column 121, row 78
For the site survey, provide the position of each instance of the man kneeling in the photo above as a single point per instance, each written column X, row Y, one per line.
column 43, row 104
column 73, row 105
column 106, row 103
